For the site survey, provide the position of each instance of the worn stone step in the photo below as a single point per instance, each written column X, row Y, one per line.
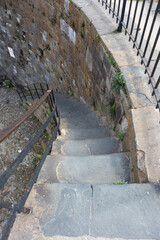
column 86, row 169
column 60, row 211
column 83, row 133
column 66, row 104
column 76, row 117
column 74, row 111
column 87, row 121
column 71, row 111
column 126, row 211
column 97, row 146
column 78, row 113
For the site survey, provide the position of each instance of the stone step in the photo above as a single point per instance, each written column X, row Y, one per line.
column 79, row 112
column 69, row 104
column 129, row 211
column 82, row 121
column 74, row 111
column 99, row 146
column 86, row 169
column 83, row 133
column 126, row 211
column 87, row 121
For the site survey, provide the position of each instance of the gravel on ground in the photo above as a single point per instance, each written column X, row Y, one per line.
column 11, row 107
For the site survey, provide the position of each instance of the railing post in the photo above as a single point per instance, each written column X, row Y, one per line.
column 122, row 16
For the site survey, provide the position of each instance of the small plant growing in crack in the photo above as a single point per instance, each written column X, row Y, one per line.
column 114, row 127
column 48, row 47
column 119, row 82
column 73, row 25
column 83, row 24
column 70, row 92
column 98, row 37
column 120, row 136
column 49, row 111
column 82, row 34
column 8, row 84
column 110, row 58
column 40, row 52
column 113, row 109
column 120, row 182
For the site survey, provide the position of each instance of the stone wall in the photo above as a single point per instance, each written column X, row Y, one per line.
column 54, row 42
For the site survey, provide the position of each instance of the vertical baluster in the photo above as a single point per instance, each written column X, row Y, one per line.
column 134, row 16
column 155, row 65
column 24, row 94
column 19, row 95
column 30, row 92
column 114, row 6
column 139, row 22
column 129, row 13
column 151, row 29
column 118, row 10
column 122, row 16
column 110, row 5
column 157, row 83
column 145, row 25
column 106, row 4
column 52, row 99
column 36, row 91
column 153, row 48
column 41, row 88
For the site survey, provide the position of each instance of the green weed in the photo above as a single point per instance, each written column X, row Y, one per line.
column 40, row 52
column 82, row 34
column 98, row 37
column 110, row 58
column 120, row 136
column 118, row 82
column 120, row 182
column 8, row 84
column 113, row 108
column 83, row 24
column 48, row 47
column 114, row 127
column 71, row 92
column 73, row 25
column 49, row 111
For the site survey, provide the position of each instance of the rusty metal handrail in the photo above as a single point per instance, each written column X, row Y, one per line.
column 15, row 124
column 19, row 207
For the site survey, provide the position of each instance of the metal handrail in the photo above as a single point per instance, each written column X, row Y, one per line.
column 49, row 97
column 15, row 124
column 118, row 10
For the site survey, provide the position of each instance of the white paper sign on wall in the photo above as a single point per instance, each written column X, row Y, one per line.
column 11, row 52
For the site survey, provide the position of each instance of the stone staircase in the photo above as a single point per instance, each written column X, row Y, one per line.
column 74, row 196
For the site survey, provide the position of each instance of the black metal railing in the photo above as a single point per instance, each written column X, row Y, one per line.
column 140, row 21
column 32, row 91
column 44, row 93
